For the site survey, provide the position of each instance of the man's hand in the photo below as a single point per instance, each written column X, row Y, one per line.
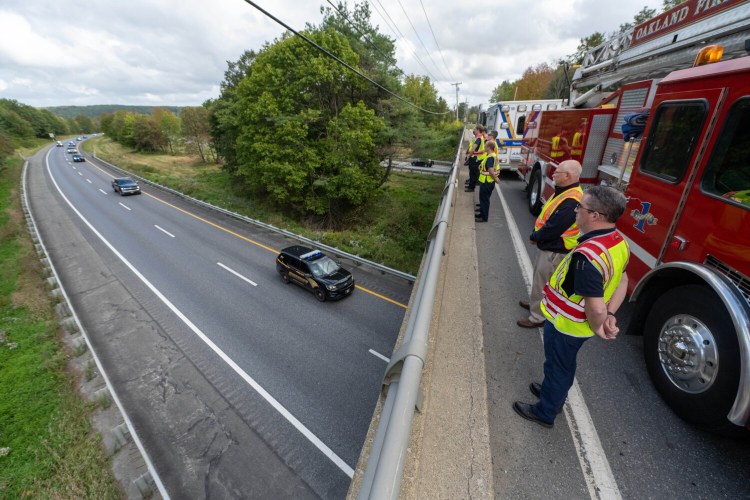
column 609, row 328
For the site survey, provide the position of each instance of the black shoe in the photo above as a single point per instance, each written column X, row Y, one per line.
column 476, row 204
column 479, row 219
column 525, row 411
column 536, row 389
column 524, row 304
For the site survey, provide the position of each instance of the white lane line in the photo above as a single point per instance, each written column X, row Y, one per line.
column 596, row 470
column 102, row 191
column 229, row 361
column 236, row 274
column 74, row 167
column 124, row 206
column 378, row 355
column 80, row 173
column 88, row 180
column 164, row 231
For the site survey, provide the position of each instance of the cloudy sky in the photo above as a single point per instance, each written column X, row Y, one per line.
column 174, row 52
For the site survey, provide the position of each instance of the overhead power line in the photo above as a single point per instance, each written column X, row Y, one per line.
column 406, row 15
column 337, row 59
column 367, row 39
column 440, row 51
column 400, row 35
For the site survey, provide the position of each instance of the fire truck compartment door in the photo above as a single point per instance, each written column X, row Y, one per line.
column 669, row 159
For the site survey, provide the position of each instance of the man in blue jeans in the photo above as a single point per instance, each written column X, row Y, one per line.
column 580, row 299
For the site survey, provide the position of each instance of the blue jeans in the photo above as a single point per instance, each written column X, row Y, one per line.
column 560, row 352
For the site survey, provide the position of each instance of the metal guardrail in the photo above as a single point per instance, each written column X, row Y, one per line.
column 334, row 251
column 385, row 466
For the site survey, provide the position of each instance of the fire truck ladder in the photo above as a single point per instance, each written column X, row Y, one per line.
column 619, row 61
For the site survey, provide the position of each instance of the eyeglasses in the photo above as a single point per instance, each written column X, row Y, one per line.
column 586, row 209
column 559, row 172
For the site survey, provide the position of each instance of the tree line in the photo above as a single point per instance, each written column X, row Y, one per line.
column 551, row 81
column 20, row 122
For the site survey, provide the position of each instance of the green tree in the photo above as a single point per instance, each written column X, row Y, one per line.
column 293, row 119
column 504, row 92
column 147, row 135
column 169, row 126
column 669, row 4
column 643, row 15
column 534, row 82
column 586, row 44
column 85, row 124
column 197, row 132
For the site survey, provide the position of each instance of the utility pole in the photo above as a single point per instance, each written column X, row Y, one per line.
column 457, row 84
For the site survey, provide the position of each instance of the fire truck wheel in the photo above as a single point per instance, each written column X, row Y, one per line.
column 535, row 192
column 692, row 356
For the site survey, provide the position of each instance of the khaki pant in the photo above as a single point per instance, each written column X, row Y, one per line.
column 545, row 264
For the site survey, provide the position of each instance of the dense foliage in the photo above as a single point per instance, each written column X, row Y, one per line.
column 297, row 127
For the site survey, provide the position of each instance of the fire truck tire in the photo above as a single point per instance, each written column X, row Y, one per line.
column 535, row 192
column 692, row 356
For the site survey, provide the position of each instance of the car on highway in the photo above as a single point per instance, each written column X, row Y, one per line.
column 71, row 151
column 71, row 143
column 59, row 144
column 314, row 271
column 422, row 162
column 125, row 185
column 79, row 138
column 78, row 158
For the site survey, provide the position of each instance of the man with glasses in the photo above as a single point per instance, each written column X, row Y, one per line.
column 580, row 300
column 555, row 234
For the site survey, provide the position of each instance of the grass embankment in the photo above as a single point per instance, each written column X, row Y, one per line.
column 391, row 229
column 47, row 446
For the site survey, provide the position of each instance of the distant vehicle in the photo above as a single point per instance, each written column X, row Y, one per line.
column 59, row 144
column 85, row 137
column 71, row 151
column 314, row 271
column 78, row 158
column 79, row 138
column 422, row 163
column 71, row 143
column 125, row 185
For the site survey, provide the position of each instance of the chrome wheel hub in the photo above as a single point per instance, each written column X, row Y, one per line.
column 688, row 353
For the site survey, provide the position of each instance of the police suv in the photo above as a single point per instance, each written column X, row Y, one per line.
column 314, row 271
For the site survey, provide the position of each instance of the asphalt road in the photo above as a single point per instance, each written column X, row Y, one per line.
column 651, row 453
column 271, row 366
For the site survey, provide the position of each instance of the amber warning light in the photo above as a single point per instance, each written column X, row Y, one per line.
column 708, row 55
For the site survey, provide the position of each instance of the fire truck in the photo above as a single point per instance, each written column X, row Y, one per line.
column 685, row 169
column 511, row 119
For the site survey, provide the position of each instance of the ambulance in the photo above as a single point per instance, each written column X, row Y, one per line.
column 511, row 119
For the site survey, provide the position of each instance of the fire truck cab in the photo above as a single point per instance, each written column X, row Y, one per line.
column 687, row 180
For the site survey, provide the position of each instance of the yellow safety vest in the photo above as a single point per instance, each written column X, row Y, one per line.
column 484, row 174
column 556, row 150
column 609, row 253
column 577, row 146
column 570, row 236
column 482, row 156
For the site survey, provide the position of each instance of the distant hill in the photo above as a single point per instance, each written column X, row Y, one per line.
column 95, row 111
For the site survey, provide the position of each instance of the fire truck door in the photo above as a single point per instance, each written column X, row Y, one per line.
column 667, row 166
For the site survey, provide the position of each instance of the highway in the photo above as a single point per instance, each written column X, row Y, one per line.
column 648, row 452
column 267, row 360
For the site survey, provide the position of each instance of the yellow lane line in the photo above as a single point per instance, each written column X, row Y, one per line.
column 261, row 245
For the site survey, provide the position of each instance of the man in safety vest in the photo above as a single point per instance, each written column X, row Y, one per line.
column 581, row 299
column 476, row 155
column 555, row 234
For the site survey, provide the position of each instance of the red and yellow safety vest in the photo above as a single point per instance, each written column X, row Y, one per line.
column 570, row 236
column 609, row 254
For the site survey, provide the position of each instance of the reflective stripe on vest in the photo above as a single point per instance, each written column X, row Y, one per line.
column 484, row 174
column 556, row 150
column 482, row 156
column 570, row 236
column 608, row 253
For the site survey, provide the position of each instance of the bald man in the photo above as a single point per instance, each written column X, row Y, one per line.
column 555, row 234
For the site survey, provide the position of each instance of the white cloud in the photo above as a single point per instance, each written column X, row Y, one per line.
column 175, row 52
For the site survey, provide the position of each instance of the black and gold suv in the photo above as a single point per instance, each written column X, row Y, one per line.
column 315, row 271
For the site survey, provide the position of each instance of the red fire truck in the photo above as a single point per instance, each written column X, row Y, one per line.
column 687, row 179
